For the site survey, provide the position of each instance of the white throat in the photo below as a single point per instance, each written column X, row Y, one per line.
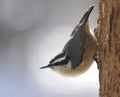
column 63, row 69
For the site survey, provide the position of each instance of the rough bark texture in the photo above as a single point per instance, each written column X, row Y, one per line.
column 108, row 37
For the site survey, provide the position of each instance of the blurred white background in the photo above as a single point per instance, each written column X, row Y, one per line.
column 31, row 33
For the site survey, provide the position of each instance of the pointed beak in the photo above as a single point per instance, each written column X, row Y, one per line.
column 86, row 15
column 45, row 66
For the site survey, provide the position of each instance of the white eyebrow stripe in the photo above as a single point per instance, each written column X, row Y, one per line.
column 59, row 59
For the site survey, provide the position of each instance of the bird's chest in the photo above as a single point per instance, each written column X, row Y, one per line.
column 63, row 69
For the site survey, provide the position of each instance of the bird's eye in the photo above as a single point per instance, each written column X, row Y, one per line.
column 59, row 56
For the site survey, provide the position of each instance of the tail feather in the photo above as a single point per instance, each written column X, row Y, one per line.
column 83, row 20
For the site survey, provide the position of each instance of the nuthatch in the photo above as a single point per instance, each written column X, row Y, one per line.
column 78, row 53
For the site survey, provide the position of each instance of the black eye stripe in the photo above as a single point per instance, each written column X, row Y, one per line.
column 65, row 61
column 57, row 57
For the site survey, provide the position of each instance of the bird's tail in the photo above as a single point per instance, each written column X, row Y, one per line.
column 84, row 19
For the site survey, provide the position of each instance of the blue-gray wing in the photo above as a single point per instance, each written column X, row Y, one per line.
column 74, row 48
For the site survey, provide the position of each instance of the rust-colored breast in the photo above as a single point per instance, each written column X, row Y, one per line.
column 90, row 48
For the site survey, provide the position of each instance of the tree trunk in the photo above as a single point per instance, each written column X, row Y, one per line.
column 108, row 37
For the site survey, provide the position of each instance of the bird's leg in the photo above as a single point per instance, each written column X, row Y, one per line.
column 96, row 58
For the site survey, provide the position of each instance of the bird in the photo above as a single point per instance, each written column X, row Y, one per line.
column 79, row 51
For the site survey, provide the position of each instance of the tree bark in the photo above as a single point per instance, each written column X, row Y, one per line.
column 108, row 37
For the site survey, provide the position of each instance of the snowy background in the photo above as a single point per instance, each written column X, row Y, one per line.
column 31, row 33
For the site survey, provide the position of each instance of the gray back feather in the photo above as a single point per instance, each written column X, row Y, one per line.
column 74, row 48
